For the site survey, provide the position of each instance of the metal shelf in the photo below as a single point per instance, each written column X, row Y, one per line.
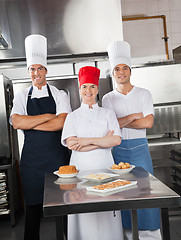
column 8, row 191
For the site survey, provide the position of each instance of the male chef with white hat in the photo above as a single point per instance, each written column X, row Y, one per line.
column 39, row 111
column 133, row 107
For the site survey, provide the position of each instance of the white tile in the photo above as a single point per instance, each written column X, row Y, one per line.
column 143, row 1
column 152, row 13
column 176, row 27
column 161, row 29
column 152, row 7
column 154, row 28
column 128, row 1
column 146, row 37
column 169, row 41
column 132, row 40
column 175, row 45
column 167, row 15
column 175, row 4
column 131, row 28
column 123, row 9
column 163, row 5
column 169, row 28
column 141, row 8
column 143, row 28
column 143, row 41
column 139, row 52
column 175, row 16
column 176, row 38
column 130, row 8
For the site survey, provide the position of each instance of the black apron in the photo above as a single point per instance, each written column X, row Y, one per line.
column 42, row 151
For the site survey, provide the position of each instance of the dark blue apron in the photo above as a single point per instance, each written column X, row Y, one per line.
column 42, row 151
column 136, row 152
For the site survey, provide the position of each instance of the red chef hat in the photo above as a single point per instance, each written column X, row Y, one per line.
column 89, row 75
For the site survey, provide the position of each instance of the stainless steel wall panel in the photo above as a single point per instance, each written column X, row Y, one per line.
column 167, row 119
column 83, row 64
column 163, row 81
column 60, row 70
column 70, row 85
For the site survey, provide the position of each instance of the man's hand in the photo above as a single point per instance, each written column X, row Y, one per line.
column 125, row 121
column 110, row 133
column 26, row 122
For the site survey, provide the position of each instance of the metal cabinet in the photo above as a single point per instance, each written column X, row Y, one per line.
column 176, row 170
column 6, row 192
column 7, row 146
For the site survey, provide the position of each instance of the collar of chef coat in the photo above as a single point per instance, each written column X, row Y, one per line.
column 39, row 93
column 86, row 106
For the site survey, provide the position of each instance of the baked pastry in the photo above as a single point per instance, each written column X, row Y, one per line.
column 68, row 169
column 121, row 165
column 115, row 166
column 68, row 186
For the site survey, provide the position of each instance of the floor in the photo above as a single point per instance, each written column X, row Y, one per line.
column 47, row 231
column 48, row 228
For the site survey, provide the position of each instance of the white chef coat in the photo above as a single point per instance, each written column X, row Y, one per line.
column 96, row 122
column 87, row 122
column 137, row 100
column 61, row 99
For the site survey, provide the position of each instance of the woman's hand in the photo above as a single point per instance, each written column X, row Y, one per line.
column 74, row 143
column 71, row 143
column 88, row 144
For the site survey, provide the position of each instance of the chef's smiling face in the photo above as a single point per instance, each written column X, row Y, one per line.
column 88, row 93
column 38, row 75
column 122, row 74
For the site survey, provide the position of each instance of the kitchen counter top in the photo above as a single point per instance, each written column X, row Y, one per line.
column 69, row 196
column 163, row 141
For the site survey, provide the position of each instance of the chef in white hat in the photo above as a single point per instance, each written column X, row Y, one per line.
column 133, row 107
column 39, row 111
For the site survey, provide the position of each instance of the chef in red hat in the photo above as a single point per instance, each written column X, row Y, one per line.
column 90, row 132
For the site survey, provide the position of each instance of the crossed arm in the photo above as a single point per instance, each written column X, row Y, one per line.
column 87, row 144
column 43, row 122
column 136, row 121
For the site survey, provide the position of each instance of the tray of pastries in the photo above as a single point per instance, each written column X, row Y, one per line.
column 115, row 185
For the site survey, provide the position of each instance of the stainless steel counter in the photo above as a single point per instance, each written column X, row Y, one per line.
column 69, row 196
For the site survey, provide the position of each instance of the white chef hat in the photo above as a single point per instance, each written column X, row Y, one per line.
column 36, row 50
column 119, row 53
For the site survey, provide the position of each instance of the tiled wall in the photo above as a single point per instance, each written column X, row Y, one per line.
column 145, row 36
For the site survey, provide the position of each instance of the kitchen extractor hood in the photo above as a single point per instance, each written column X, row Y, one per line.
column 72, row 27
column 177, row 53
column 5, row 42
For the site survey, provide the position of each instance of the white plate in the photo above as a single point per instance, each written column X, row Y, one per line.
column 71, row 180
column 94, row 176
column 122, row 171
column 92, row 189
column 65, row 175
